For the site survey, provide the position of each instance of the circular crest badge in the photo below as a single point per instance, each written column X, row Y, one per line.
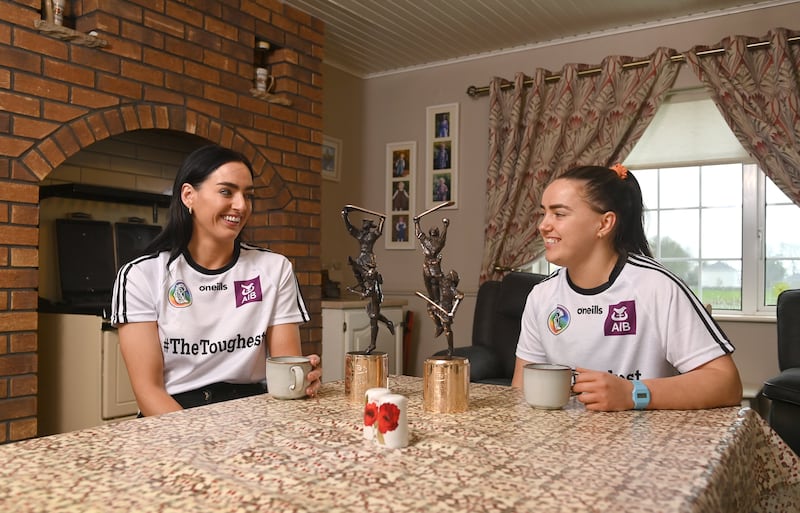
column 179, row 295
column 558, row 320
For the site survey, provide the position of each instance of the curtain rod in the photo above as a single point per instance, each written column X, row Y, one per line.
column 474, row 91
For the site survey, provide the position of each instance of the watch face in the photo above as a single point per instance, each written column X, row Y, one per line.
column 641, row 395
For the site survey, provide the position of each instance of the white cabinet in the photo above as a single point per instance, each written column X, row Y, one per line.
column 345, row 327
column 83, row 381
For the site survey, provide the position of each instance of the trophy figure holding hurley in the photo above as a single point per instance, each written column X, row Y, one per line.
column 369, row 368
column 445, row 378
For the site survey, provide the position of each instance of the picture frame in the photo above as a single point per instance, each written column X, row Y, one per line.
column 401, row 173
column 441, row 160
column 331, row 158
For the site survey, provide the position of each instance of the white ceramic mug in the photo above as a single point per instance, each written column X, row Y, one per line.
column 547, row 385
column 287, row 376
column 58, row 12
column 264, row 81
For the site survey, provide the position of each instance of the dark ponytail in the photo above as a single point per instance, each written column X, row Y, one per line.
column 616, row 190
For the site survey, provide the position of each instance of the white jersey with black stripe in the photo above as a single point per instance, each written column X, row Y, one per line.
column 643, row 323
column 212, row 324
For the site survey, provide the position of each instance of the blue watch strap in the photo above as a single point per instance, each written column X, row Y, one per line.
column 641, row 395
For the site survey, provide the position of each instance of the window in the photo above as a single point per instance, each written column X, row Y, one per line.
column 693, row 221
column 697, row 219
column 711, row 215
column 781, row 242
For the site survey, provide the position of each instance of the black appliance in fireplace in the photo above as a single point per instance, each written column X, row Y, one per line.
column 89, row 254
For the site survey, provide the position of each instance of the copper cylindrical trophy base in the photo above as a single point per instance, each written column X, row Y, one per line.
column 363, row 371
column 445, row 384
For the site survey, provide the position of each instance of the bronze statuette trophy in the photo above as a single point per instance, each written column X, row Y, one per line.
column 445, row 378
column 368, row 368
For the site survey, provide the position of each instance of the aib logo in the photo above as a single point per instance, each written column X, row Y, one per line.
column 558, row 320
column 247, row 291
column 621, row 319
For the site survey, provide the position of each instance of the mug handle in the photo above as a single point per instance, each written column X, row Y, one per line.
column 299, row 377
column 572, row 383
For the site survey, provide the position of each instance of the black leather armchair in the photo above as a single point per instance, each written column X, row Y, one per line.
column 784, row 389
column 495, row 328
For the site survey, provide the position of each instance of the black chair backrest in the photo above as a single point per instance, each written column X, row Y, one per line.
column 483, row 325
column 514, row 290
column 788, row 321
column 498, row 312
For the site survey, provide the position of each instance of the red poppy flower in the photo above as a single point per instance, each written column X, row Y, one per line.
column 388, row 417
column 370, row 413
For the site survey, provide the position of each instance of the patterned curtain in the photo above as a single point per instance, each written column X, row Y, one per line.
column 757, row 91
column 538, row 133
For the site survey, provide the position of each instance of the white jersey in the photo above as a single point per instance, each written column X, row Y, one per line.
column 212, row 324
column 644, row 323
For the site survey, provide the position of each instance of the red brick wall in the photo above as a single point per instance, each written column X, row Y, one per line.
column 180, row 65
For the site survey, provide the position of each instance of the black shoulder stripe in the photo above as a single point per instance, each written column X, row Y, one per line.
column 711, row 325
column 247, row 245
column 122, row 284
column 301, row 305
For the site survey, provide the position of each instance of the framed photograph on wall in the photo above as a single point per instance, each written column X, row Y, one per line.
column 401, row 172
column 331, row 158
column 441, row 155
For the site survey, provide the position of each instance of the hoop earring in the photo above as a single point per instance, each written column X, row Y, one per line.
column 190, row 210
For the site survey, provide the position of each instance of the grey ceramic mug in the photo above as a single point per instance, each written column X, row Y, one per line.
column 547, row 385
column 287, row 376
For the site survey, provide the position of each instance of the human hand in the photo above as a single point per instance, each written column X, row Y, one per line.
column 603, row 391
column 315, row 376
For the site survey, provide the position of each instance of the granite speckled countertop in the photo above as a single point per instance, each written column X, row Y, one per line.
column 261, row 454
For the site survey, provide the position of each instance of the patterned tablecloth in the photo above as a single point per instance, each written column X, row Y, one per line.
column 261, row 454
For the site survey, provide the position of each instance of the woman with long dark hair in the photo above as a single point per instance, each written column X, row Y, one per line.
column 201, row 310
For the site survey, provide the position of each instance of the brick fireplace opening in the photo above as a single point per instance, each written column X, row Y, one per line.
column 168, row 65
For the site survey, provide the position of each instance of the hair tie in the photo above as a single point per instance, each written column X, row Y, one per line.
column 622, row 171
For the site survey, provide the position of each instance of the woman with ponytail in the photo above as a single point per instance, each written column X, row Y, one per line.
column 635, row 333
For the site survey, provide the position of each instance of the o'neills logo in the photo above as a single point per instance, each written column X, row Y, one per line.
column 591, row 310
column 213, row 288
column 179, row 295
column 247, row 291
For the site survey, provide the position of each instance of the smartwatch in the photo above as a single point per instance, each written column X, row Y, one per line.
column 641, row 395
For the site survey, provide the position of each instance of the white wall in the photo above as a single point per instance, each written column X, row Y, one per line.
column 393, row 109
column 343, row 115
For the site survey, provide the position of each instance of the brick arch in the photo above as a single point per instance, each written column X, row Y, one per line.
column 272, row 192
column 188, row 73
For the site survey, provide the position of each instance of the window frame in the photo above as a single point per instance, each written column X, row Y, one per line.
column 753, row 256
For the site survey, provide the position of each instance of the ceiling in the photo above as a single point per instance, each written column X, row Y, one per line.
column 369, row 38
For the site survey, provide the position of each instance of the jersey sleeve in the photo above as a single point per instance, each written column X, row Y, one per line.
column 694, row 338
column 134, row 298
column 289, row 304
